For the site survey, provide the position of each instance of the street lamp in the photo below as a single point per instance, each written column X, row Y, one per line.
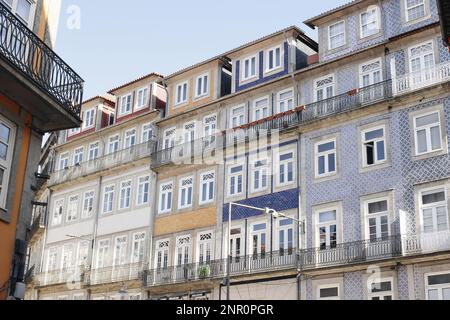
column 267, row 211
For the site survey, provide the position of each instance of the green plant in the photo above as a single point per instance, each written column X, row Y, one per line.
column 203, row 271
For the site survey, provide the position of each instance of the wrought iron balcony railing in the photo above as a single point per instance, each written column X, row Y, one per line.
column 106, row 162
column 126, row 272
column 69, row 276
column 40, row 64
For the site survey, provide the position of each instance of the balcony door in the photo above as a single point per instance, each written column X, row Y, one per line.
column 162, row 273
column 326, row 236
column 119, row 271
column 183, row 252
column 370, row 75
column 286, row 237
column 421, row 63
column 258, row 245
column 137, row 254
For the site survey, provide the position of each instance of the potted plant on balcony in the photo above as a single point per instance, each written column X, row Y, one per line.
column 203, row 271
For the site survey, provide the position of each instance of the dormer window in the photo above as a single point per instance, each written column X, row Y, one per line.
column 273, row 59
column 336, row 33
column 181, row 93
column 89, row 118
column 125, row 104
column 249, row 68
column 369, row 22
column 142, row 98
column 201, row 86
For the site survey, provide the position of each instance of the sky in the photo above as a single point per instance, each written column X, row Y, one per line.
column 109, row 43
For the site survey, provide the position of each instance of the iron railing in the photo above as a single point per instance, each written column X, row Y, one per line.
column 69, row 276
column 120, row 273
column 40, row 64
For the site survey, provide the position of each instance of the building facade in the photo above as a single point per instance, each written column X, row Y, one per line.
column 39, row 93
column 346, row 139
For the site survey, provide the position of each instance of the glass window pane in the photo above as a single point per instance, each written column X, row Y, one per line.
column 435, row 138
column 439, row 279
column 422, row 141
column 329, row 292
column 433, row 197
column 433, row 294
column 427, row 120
column 374, row 134
column 327, row 216
column 3, row 151
column 379, row 206
column 380, row 151
column 4, row 133
column 446, row 294
column 332, row 162
column 326, row 146
column 321, row 165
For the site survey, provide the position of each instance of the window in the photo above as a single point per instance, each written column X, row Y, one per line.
column 72, row 209
column 415, row 9
column 83, row 253
column 102, row 253
column 235, row 243
column 88, row 205
column 327, row 229
column 169, row 138
column 108, row 199
column 286, row 166
column 377, row 220
column 328, row 292
column 324, row 88
column 78, row 156
column 204, row 247
column 260, row 109
column 113, row 144
column 137, row 254
column 165, row 197
column 189, row 132
column 381, row 290
column 6, row 153
column 434, row 211
column 259, row 240
column 369, row 22
column 249, row 68
column 260, row 175
column 421, row 63
column 185, row 193
column 64, row 161
column 427, row 133
column 147, row 132
column 130, row 138
column 73, row 131
column 325, row 158
column 285, row 100
column 89, row 118
column 94, row 149
column 437, row 286
column 209, row 125
column 273, row 59
column 125, row 104
column 201, row 86
column 235, row 180
column 142, row 98
column 125, row 195
column 24, row 9
column 143, row 196
column 67, row 255
column 57, row 212
column 162, row 254
column 237, row 116
column 120, row 251
column 370, row 73
column 286, row 236
column 207, row 187
column 336, row 33
column 181, row 93
column 183, row 250
column 374, row 146
column 52, row 258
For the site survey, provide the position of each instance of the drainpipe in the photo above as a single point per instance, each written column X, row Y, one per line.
column 295, row 84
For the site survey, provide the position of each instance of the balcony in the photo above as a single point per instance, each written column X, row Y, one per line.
column 38, row 220
column 106, row 162
column 36, row 77
column 29, row 275
column 126, row 272
column 72, row 277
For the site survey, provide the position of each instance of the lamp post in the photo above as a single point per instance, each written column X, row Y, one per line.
column 230, row 206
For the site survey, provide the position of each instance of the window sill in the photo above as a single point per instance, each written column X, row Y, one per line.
column 324, row 178
column 374, row 167
column 431, row 154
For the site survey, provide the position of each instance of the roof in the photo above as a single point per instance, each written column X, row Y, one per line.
column 152, row 74
column 223, row 56
column 311, row 22
column 106, row 97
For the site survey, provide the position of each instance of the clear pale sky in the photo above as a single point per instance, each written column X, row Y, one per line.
column 120, row 41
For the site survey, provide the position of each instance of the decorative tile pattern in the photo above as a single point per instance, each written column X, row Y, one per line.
column 353, row 286
column 402, row 283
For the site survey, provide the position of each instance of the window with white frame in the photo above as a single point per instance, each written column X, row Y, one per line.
column 325, row 158
column 67, row 257
column 143, row 196
column 260, row 109
column 434, row 210
column 326, row 236
column 369, row 22
column 125, row 104
column 130, row 138
column 102, row 253
column 285, row 100
column 207, row 187
column 83, row 253
column 72, row 209
column 7, row 136
column 202, row 86
column 57, row 212
column 186, row 188
column 381, row 289
column 108, row 199
column 142, row 98
column 169, row 138
column 137, row 254
column 328, row 292
column 113, row 145
column 273, row 59
column 235, row 243
column 437, row 286
column 183, row 250
column 88, row 205
column 259, row 240
column 370, row 73
column 324, row 88
column 165, row 197
column 235, row 180
column 427, row 133
column 421, row 62
column 147, row 132
column 89, row 118
column 189, row 132
column 125, row 195
column 204, row 247
column 94, row 150
column 374, row 146
column 52, row 259
column 336, row 35
column 286, row 168
column 78, row 156
column 209, row 125
column 415, row 9
column 260, row 171
column 120, row 251
column 237, row 116
column 377, row 219
column 285, row 236
column 64, row 161
column 181, row 93
column 162, row 254
column 24, row 9
column 73, row 131
column 248, row 68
